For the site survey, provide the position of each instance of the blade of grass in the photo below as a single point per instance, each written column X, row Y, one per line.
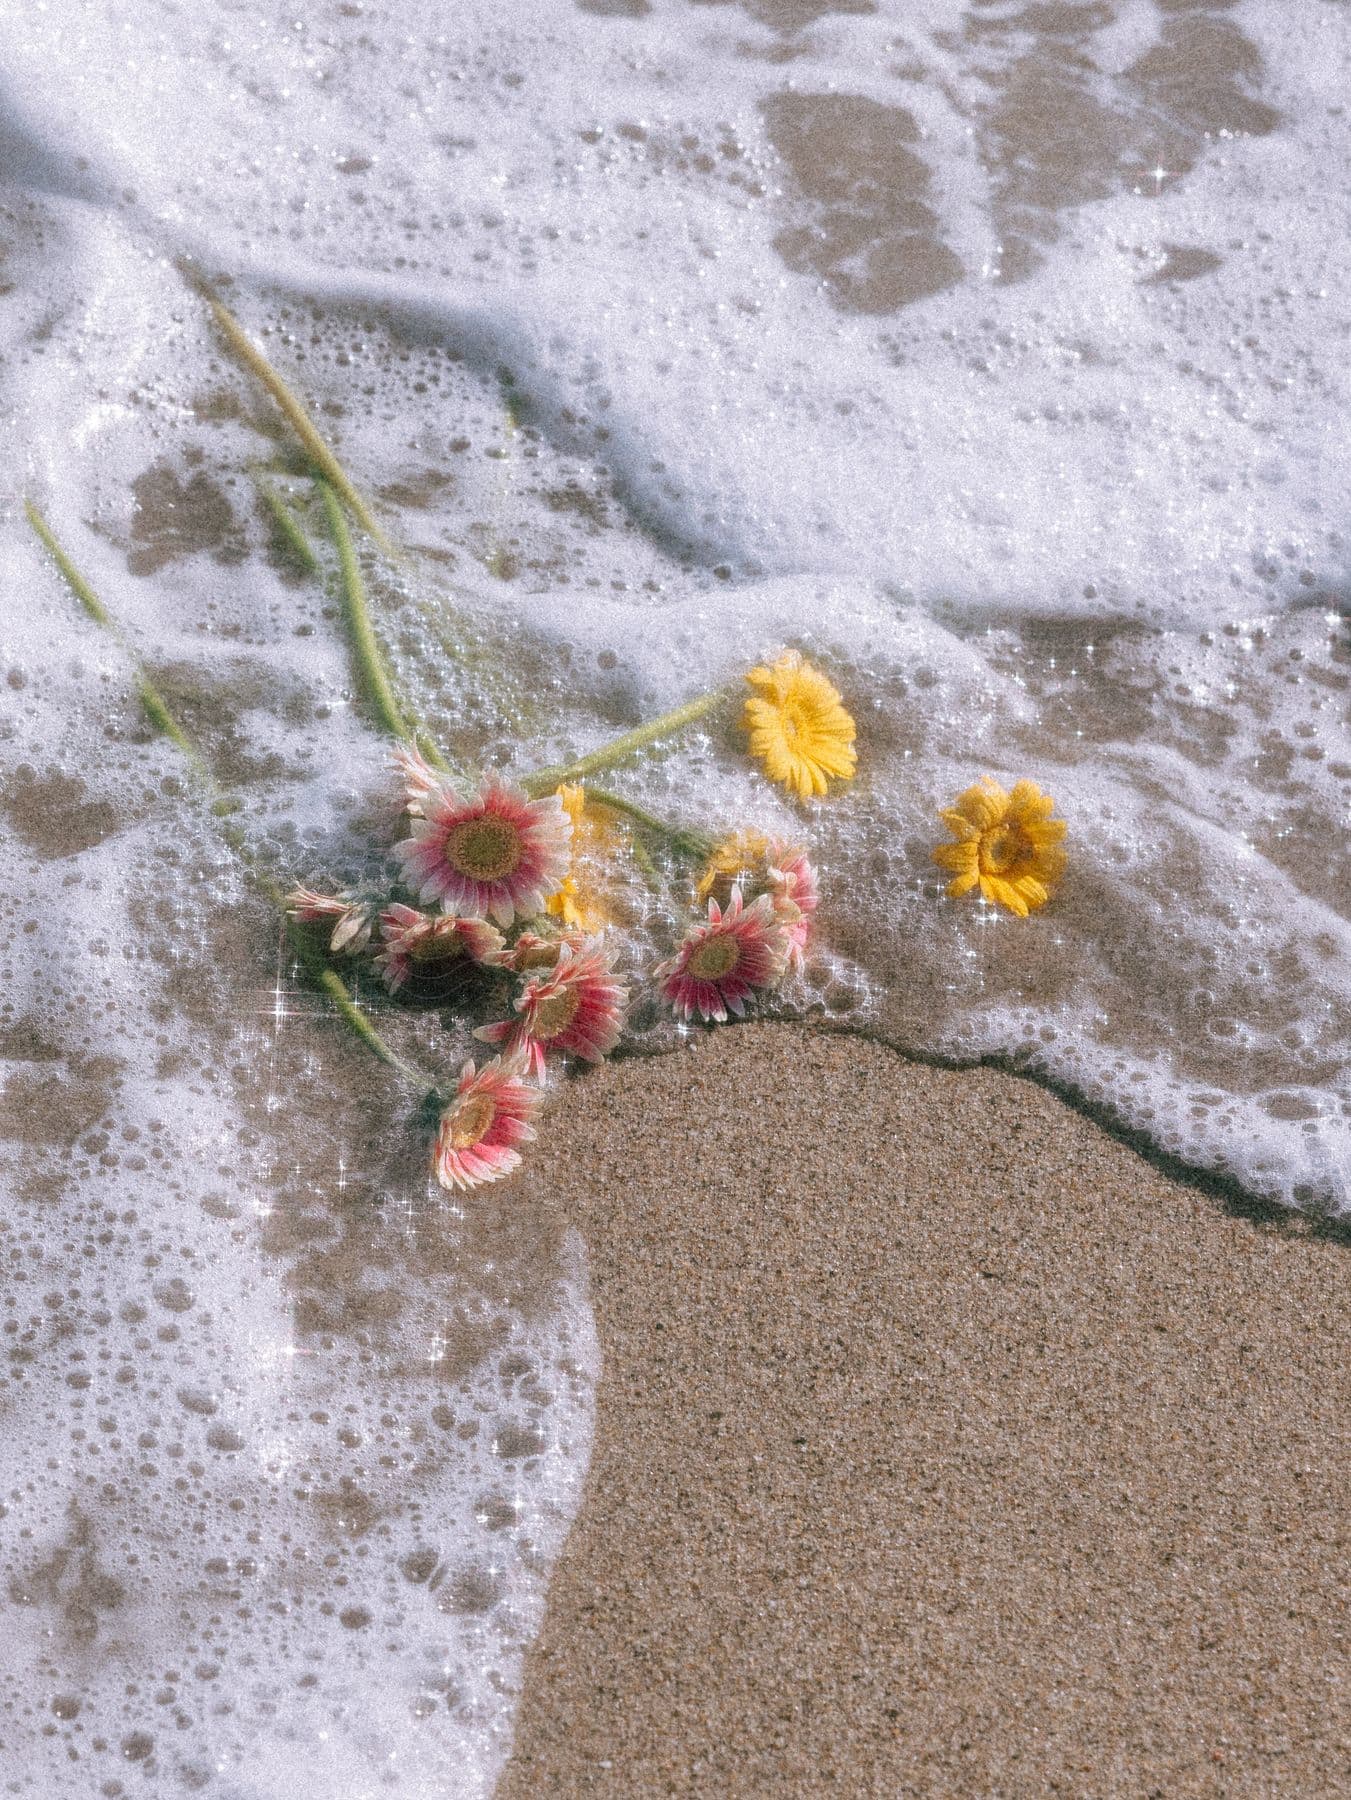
column 222, row 804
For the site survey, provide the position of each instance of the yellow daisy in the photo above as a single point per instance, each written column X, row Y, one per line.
column 1007, row 843
column 798, row 726
column 579, row 902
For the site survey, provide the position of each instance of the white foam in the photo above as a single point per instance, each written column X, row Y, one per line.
column 560, row 287
column 613, row 239
column 286, row 1463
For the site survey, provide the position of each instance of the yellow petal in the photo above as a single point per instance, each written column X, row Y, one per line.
column 1032, row 892
column 1003, row 893
column 960, row 857
column 984, row 804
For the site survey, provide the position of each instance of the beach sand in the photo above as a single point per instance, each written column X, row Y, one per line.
column 944, row 1447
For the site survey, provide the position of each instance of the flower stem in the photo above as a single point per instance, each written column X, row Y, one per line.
column 222, row 804
column 682, row 839
column 646, row 867
column 370, row 661
column 287, row 526
column 331, row 983
column 155, row 706
column 621, row 747
column 300, row 421
column 76, row 582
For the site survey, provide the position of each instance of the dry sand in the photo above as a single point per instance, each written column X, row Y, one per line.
column 945, row 1447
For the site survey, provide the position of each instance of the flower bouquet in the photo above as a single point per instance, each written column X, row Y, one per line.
column 499, row 896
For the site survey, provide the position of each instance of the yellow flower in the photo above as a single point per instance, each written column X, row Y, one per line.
column 798, row 726
column 579, row 902
column 733, row 863
column 1008, row 843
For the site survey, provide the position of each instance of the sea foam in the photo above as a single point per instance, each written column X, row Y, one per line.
column 996, row 357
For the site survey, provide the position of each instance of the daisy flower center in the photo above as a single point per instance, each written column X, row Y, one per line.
column 714, row 959
column 538, row 956
column 556, row 1012
column 484, row 849
column 437, row 947
column 472, row 1122
column 1002, row 848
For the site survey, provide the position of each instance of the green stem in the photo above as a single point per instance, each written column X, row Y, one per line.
column 155, row 706
column 76, row 582
column 332, row 984
column 300, row 421
column 646, row 867
column 619, row 748
column 288, row 526
column 370, row 663
column 156, row 709
column 365, row 646
column 326, row 464
column 222, row 804
column 683, row 841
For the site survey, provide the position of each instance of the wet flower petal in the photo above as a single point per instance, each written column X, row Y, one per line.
column 494, row 854
column 480, row 1132
column 575, row 1008
column 798, row 726
column 1005, row 843
column 727, row 959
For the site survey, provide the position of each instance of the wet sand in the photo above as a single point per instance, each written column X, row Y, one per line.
column 945, row 1447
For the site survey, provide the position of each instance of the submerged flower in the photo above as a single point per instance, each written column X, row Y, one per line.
column 477, row 1138
column 738, row 861
column 579, row 900
column 796, row 894
column 798, row 726
column 494, row 853
column 576, row 1007
column 1007, row 843
column 761, row 865
column 721, row 963
column 430, row 942
column 354, row 918
column 534, row 950
column 419, row 778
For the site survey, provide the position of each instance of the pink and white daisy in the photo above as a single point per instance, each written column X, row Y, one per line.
column 477, row 1138
column 353, row 918
column 419, row 778
column 795, row 892
column 495, row 853
column 721, row 963
column 430, row 943
column 575, row 1008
